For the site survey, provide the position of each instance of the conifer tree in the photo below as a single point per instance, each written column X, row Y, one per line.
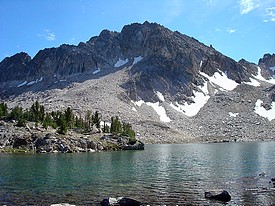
column 128, row 131
column 106, row 128
column 96, row 119
column 3, row 110
column 115, row 126
column 88, row 120
column 69, row 117
column 37, row 112
column 62, row 124
column 16, row 113
column 48, row 121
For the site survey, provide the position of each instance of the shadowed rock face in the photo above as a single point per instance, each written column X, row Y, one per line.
column 14, row 67
column 267, row 64
column 171, row 61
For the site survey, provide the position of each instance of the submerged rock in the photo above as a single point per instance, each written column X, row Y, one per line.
column 224, row 196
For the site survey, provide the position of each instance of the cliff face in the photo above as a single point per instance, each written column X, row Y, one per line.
column 267, row 64
column 14, row 67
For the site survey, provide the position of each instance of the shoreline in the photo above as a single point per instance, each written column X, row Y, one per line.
column 35, row 139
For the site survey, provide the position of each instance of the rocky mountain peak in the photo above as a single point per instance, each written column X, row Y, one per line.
column 164, row 82
column 13, row 67
column 172, row 63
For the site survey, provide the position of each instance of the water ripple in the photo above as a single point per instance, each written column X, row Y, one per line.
column 160, row 175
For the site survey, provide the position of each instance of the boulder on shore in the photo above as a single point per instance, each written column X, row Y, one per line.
column 224, row 196
column 137, row 146
column 121, row 201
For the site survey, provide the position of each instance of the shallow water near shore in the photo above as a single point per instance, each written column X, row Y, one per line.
column 168, row 174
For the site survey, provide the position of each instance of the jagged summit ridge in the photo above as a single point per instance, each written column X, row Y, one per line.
column 103, row 51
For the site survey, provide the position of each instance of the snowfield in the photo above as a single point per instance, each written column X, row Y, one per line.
column 253, row 82
column 231, row 114
column 30, row 83
column 22, row 84
column 160, row 96
column 158, row 109
column 260, row 77
column 200, row 99
column 221, row 80
column 269, row 114
column 96, row 71
column 137, row 59
column 121, row 62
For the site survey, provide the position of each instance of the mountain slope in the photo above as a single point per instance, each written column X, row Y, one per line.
column 169, row 86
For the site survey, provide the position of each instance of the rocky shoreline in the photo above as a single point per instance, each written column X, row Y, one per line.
column 36, row 139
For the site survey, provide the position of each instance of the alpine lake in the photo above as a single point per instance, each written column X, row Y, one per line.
column 165, row 174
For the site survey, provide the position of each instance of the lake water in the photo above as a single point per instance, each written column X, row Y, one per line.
column 170, row 174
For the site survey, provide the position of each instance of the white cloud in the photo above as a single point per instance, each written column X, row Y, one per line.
column 230, row 31
column 270, row 12
column 247, row 6
column 210, row 2
column 47, row 35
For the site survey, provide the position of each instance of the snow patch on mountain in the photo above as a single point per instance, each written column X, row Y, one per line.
column 96, row 71
column 30, row 83
column 121, row 62
column 158, row 109
column 253, row 82
column 137, row 59
column 22, row 84
column 220, row 79
column 200, row 99
column 231, row 114
column 160, row 96
column 269, row 114
column 260, row 77
column 200, row 63
column 139, row 103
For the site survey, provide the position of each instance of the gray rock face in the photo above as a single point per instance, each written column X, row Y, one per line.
column 14, row 67
column 267, row 64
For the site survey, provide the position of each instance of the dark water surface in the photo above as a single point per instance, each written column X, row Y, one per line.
column 176, row 174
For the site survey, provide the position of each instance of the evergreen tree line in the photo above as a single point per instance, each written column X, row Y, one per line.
column 62, row 121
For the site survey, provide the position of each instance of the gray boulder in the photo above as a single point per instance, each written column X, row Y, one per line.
column 137, row 146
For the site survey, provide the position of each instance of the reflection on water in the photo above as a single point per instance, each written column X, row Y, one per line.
column 159, row 175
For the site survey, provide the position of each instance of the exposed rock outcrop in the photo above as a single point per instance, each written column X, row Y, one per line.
column 14, row 138
column 267, row 64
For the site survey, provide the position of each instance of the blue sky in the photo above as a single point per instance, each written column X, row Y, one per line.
column 237, row 28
